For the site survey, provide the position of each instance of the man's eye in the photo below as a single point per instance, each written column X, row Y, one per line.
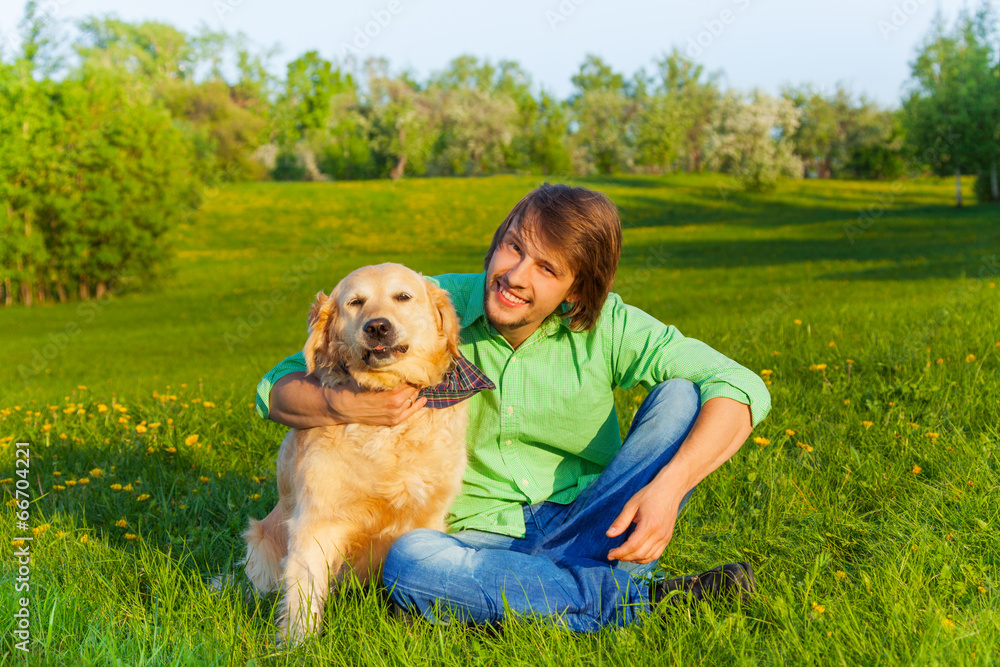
column 515, row 247
column 403, row 296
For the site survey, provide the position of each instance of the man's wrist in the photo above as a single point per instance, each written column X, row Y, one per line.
column 331, row 396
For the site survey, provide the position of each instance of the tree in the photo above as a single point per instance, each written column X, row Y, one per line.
column 951, row 113
column 750, row 138
column 603, row 111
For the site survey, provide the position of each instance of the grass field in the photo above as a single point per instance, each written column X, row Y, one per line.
column 869, row 505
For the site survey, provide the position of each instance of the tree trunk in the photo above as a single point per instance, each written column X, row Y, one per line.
column 61, row 291
column 8, row 293
column 958, row 187
column 84, row 288
column 102, row 287
column 994, row 185
column 397, row 171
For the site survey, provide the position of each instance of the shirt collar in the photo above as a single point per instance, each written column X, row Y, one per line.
column 474, row 310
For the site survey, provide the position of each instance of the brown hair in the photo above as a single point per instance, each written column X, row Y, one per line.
column 582, row 226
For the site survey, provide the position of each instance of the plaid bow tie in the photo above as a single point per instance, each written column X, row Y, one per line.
column 461, row 382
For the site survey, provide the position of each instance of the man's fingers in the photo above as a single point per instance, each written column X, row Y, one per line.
column 623, row 521
column 418, row 402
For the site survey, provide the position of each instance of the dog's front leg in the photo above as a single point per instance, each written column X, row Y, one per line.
column 314, row 558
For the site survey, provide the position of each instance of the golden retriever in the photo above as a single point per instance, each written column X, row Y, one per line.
column 346, row 492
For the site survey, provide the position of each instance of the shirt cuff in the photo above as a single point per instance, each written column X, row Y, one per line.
column 760, row 404
column 296, row 362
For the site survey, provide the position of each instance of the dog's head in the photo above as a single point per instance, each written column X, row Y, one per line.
column 383, row 325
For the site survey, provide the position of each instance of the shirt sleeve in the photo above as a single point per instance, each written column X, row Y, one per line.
column 296, row 362
column 645, row 351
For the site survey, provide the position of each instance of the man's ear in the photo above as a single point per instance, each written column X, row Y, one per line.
column 320, row 355
column 448, row 323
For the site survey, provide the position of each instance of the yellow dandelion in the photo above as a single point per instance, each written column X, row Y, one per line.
column 940, row 361
column 847, row 401
column 191, row 439
column 84, row 480
column 840, row 574
column 254, row 496
column 916, row 470
column 58, row 487
column 102, row 408
column 70, row 482
column 208, row 404
column 46, row 428
column 804, row 446
column 140, row 429
column 867, row 424
column 933, row 436
column 969, row 359
column 817, row 367
column 150, row 450
column 981, row 589
column 131, row 536
column 947, row 623
column 10, row 480
column 818, row 608
column 12, row 502
column 155, row 425
column 127, row 487
column 38, row 530
column 831, row 344
column 81, row 387
column 914, row 425
column 970, row 482
column 766, row 372
column 116, row 487
column 204, row 479
column 96, row 472
column 789, row 432
column 797, row 321
column 17, row 543
column 61, row 533
column 121, row 523
column 763, row 442
column 171, row 450
column 144, row 496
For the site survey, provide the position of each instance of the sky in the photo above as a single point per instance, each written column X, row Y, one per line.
column 865, row 45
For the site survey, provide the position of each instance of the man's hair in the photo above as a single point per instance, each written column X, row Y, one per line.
column 583, row 228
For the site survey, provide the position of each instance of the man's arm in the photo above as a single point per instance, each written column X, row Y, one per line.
column 721, row 428
column 299, row 400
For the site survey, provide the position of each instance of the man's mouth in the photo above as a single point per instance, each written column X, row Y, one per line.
column 382, row 352
column 509, row 299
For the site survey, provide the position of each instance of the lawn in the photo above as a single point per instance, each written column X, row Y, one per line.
column 867, row 502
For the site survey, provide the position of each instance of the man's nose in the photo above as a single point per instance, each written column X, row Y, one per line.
column 517, row 273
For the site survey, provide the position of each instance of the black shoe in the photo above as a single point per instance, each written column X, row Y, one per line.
column 725, row 581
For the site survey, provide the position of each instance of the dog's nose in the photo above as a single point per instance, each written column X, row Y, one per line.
column 378, row 328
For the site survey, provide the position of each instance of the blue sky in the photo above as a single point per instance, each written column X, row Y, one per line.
column 865, row 44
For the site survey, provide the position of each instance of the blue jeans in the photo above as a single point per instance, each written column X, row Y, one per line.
column 559, row 569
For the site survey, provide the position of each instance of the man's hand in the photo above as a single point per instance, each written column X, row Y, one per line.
column 353, row 405
column 299, row 401
column 654, row 511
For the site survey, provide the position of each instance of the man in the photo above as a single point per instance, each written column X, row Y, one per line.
column 557, row 517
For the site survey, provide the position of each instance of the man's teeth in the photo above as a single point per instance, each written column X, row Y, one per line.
column 510, row 297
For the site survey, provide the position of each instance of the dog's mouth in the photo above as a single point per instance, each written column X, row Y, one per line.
column 375, row 356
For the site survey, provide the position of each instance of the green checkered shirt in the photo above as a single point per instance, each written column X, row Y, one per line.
column 550, row 427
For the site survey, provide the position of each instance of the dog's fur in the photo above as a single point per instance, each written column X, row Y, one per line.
column 346, row 492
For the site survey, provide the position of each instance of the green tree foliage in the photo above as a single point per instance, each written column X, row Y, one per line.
column 839, row 137
column 952, row 112
column 603, row 111
column 750, row 138
column 91, row 179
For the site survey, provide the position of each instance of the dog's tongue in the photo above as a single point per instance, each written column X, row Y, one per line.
column 380, row 348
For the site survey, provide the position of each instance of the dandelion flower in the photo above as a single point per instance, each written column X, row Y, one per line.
column 832, row 344
column 766, row 372
column 191, row 439
column 171, row 450
column 140, row 429
column 789, row 432
column 38, row 530
column 46, row 428
column 116, row 487
column 763, row 442
column 969, row 359
column 916, row 470
column 58, row 487
column 818, row 608
column 127, row 487
column 804, row 446
column 981, row 589
column 817, row 367
column 81, row 387
column 947, row 623
column 84, row 539
column 17, row 543
column 933, row 436
column 840, row 574
column 70, row 482
column 102, row 408
column 130, row 536
column 121, row 523
column 208, row 404
column 940, row 361
column 155, row 425
column 254, row 496
column 96, row 472
column 84, row 480
column 144, row 496
column 204, row 479
column 797, row 321
column 867, row 424
column 847, row 401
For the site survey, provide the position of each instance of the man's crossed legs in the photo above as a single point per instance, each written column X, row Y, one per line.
column 560, row 567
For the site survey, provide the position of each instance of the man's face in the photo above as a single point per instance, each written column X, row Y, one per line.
column 525, row 283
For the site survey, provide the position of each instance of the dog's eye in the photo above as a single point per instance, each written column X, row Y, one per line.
column 356, row 302
column 403, row 296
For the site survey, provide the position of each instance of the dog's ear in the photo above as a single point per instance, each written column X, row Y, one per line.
column 447, row 320
column 321, row 357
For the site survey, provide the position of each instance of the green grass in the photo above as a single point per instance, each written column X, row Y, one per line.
column 888, row 529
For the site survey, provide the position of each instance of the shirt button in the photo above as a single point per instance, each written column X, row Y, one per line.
column 510, row 441
column 524, row 482
column 510, row 411
column 514, row 358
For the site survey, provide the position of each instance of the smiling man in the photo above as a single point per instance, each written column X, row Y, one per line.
column 557, row 516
